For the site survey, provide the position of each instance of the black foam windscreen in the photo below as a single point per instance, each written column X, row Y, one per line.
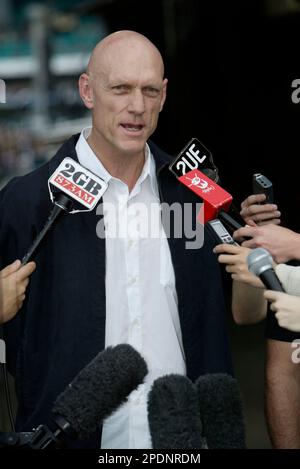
column 221, row 411
column 173, row 414
column 100, row 388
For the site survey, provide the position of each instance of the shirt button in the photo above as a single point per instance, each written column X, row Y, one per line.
column 136, row 322
column 132, row 280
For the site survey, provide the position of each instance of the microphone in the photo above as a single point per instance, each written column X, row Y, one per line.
column 173, row 414
column 194, row 167
column 221, row 411
column 97, row 391
column 72, row 189
column 195, row 156
column 216, row 200
column 260, row 263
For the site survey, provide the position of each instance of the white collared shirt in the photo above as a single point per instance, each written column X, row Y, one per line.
column 141, row 299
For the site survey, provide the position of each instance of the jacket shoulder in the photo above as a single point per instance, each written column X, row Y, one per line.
column 161, row 157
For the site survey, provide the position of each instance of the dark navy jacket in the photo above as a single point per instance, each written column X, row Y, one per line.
column 61, row 326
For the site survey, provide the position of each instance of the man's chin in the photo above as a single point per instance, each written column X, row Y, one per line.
column 133, row 147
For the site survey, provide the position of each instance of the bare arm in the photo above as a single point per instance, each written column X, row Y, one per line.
column 248, row 303
column 282, row 395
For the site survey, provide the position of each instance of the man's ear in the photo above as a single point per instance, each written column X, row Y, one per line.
column 85, row 90
column 164, row 94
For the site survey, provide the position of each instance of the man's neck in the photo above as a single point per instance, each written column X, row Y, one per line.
column 125, row 167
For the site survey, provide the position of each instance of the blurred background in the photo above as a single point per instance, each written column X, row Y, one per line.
column 230, row 66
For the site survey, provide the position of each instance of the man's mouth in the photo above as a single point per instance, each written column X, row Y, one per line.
column 132, row 127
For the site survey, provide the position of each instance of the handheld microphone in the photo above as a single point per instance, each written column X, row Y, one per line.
column 72, row 189
column 220, row 233
column 216, row 200
column 260, row 263
column 195, row 168
column 195, row 156
column 221, row 411
column 97, row 391
column 173, row 414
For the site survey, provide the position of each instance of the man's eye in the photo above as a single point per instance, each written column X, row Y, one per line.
column 151, row 92
column 120, row 89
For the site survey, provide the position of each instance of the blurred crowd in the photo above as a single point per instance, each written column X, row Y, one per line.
column 20, row 152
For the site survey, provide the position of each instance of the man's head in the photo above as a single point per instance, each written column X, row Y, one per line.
column 125, row 89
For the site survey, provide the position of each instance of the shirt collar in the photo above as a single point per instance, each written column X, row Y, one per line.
column 89, row 160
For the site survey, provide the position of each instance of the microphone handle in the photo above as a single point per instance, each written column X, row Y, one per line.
column 12, row 440
column 64, row 201
column 228, row 221
column 271, row 281
column 50, row 436
column 44, row 438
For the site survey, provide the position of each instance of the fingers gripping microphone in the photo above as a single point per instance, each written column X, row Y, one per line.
column 97, row 391
column 221, row 411
column 260, row 263
column 72, row 189
column 173, row 414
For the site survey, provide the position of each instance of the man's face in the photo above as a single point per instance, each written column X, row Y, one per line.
column 127, row 95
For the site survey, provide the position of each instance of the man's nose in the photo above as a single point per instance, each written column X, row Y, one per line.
column 136, row 102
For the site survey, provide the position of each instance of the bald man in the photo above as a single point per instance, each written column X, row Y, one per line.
column 94, row 287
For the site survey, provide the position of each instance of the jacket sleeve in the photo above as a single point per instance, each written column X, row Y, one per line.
column 289, row 276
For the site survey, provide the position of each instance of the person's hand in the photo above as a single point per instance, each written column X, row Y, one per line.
column 13, row 283
column 255, row 212
column 235, row 258
column 286, row 308
column 283, row 244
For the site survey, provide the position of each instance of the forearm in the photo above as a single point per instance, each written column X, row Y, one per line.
column 283, row 403
column 248, row 303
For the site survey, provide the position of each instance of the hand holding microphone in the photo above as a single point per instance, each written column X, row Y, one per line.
column 286, row 308
column 14, row 280
column 72, row 189
column 282, row 243
column 253, row 209
column 260, row 263
column 259, row 208
column 235, row 260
